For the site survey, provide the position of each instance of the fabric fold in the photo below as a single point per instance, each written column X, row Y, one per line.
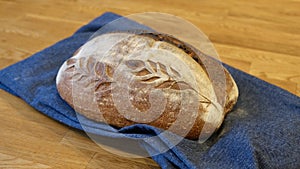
column 262, row 131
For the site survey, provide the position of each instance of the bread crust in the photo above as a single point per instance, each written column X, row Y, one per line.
column 147, row 78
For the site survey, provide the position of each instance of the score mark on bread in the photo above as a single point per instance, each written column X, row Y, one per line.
column 123, row 79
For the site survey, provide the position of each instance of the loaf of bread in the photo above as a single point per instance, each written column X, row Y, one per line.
column 123, row 78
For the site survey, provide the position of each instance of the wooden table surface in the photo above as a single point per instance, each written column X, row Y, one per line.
column 258, row 37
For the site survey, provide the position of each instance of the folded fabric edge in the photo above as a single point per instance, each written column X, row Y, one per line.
column 250, row 77
column 7, row 89
column 104, row 19
column 289, row 95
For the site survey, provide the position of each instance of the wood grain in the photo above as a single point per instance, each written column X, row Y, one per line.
column 259, row 37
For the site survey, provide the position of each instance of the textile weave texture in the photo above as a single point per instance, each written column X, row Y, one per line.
column 262, row 131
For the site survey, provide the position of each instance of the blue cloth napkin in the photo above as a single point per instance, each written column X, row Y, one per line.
column 263, row 130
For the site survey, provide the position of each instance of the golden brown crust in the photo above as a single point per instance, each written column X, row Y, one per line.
column 88, row 84
column 202, row 59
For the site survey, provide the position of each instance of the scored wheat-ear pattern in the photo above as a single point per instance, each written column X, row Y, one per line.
column 160, row 76
column 91, row 72
column 157, row 74
column 98, row 74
